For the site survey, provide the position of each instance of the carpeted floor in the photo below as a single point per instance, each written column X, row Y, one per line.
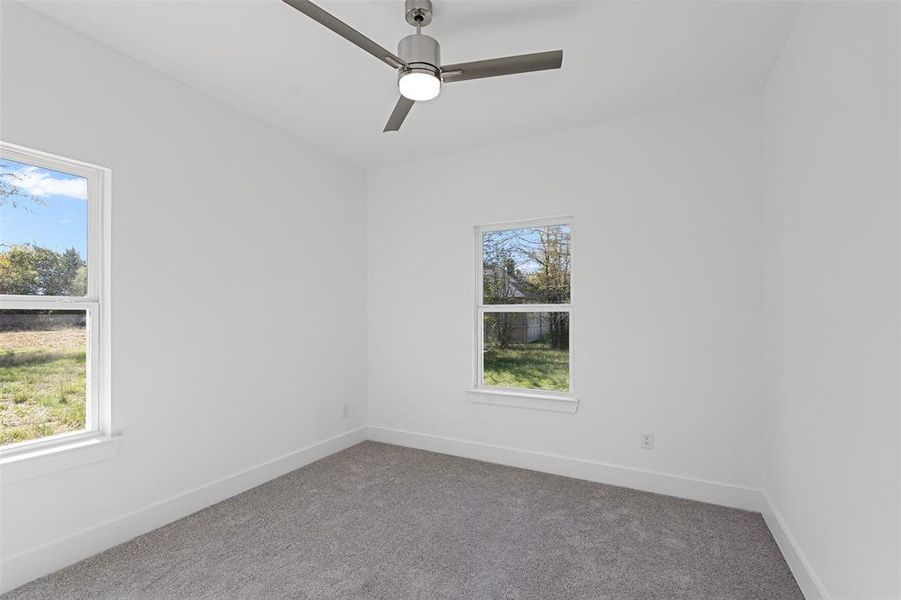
column 380, row 521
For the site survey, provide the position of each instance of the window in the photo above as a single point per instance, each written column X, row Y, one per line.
column 53, row 380
column 524, row 308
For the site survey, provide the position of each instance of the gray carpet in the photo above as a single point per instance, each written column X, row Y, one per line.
column 380, row 521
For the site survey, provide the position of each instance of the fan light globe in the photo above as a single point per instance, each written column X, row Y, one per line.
column 419, row 86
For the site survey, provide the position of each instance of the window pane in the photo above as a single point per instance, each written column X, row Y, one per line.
column 42, row 373
column 526, row 350
column 526, row 266
column 43, row 231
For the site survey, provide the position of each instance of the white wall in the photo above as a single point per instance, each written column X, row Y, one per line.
column 832, row 294
column 234, row 341
column 666, row 326
column 675, row 234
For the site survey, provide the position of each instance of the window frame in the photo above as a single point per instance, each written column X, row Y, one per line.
column 95, row 302
column 521, row 397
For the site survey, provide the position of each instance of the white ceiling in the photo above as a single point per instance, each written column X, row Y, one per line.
column 620, row 58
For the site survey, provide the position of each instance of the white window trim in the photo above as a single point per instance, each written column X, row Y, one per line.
column 96, row 441
column 480, row 393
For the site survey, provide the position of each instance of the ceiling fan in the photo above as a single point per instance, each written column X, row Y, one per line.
column 418, row 59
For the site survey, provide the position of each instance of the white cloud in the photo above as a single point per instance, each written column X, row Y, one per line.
column 37, row 182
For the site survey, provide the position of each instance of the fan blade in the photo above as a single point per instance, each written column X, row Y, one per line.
column 509, row 65
column 401, row 109
column 346, row 31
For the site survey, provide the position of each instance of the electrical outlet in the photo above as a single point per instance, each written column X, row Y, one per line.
column 346, row 412
column 647, row 441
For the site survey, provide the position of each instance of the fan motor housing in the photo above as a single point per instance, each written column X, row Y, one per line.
column 420, row 48
column 421, row 52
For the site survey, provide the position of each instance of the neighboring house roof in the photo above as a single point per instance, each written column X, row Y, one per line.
column 514, row 287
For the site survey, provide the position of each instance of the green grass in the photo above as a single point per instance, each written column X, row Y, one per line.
column 529, row 366
column 42, row 384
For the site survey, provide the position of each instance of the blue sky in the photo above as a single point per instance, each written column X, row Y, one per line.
column 51, row 211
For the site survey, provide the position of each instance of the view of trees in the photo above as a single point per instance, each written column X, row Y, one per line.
column 32, row 270
column 527, row 266
column 43, row 349
column 28, row 269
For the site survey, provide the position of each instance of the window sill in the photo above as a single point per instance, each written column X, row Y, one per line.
column 524, row 399
column 56, row 458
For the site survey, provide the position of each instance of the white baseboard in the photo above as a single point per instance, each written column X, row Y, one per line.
column 810, row 584
column 47, row 558
column 650, row 481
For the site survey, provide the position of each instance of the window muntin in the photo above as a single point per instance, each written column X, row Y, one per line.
column 52, row 302
column 524, row 307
